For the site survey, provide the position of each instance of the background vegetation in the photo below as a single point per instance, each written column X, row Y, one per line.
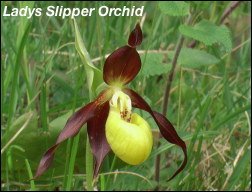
column 43, row 81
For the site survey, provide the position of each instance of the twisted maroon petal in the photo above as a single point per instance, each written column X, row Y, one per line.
column 71, row 129
column 165, row 126
column 97, row 138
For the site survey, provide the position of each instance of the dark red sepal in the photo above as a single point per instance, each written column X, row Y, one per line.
column 135, row 38
column 97, row 137
column 121, row 66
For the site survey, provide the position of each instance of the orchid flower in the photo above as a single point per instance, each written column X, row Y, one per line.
column 111, row 125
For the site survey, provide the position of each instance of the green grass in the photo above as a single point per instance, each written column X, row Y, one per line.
column 43, row 81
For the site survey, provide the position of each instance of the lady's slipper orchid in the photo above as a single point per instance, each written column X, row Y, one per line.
column 111, row 125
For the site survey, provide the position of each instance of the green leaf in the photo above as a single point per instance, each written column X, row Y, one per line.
column 32, row 143
column 174, row 8
column 18, row 123
column 230, row 116
column 153, row 64
column 238, row 173
column 28, row 167
column 202, row 5
column 13, row 95
column 23, row 20
column 193, row 58
column 208, row 33
column 94, row 75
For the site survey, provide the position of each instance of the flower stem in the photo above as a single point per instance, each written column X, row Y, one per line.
column 89, row 158
column 89, row 166
column 72, row 161
column 166, row 95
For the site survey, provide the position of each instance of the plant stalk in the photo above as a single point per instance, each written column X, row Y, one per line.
column 166, row 96
column 89, row 166
column 89, row 157
column 228, row 11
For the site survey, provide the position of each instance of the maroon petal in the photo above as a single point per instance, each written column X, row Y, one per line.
column 170, row 134
column 121, row 66
column 166, row 128
column 71, row 129
column 97, row 138
column 135, row 38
